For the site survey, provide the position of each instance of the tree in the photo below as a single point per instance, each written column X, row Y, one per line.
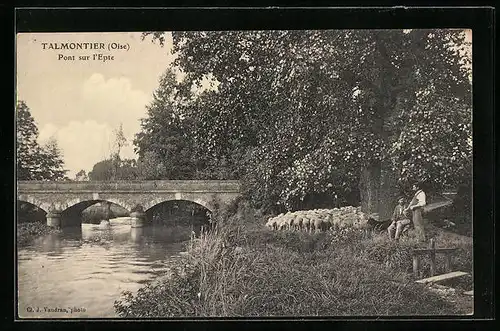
column 81, row 176
column 35, row 162
column 120, row 140
column 27, row 145
column 119, row 143
column 149, row 166
column 127, row 170
column 165, row 145
column 114, row 169
column 331, row 112
column 51, row 161
column 102, row 170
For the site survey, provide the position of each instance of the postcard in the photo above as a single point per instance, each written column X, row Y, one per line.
column 251, row 174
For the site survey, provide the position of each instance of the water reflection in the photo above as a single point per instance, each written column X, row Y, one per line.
column 89, row 266
column 136, row 234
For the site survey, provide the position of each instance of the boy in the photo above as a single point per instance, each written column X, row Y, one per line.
column 399, row 219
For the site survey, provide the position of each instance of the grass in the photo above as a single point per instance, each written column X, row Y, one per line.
column 242, row 269
column 29, row 231
column 398, row 254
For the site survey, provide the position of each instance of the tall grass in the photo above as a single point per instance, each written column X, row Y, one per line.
column 398, row 254
column 239, row 268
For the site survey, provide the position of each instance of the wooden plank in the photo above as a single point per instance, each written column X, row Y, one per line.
column 420, row 251
column 439, row 278
column 436, row 205
column 471, row 292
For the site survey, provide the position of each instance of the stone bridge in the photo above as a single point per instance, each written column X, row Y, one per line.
column 71, row 198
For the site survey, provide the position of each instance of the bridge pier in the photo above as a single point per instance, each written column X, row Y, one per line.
column 136, row 234
column 54, row 218
column 138, row 219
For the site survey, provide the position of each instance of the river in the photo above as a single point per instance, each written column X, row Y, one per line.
column 80, row 272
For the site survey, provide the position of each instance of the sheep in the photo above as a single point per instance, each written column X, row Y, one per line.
column 271, row 223
column 298, row 223
column 329, row 221
column 282, row 223
column 319, row 219
column 317, row 224
column 288, row 221
column 306, row 223
column 268, row 224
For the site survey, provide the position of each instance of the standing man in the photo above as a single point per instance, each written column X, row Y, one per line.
column 399, row 219
column 416, row 206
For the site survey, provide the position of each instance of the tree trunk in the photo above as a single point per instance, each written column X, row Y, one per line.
column 378, row 189
column 369, row 187
column 389, row 191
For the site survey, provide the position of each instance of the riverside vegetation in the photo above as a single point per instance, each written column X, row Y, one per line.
column 241, row 268
column 31, row 224
column 29, row 231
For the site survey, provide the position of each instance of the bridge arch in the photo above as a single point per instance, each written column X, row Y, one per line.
column 155, row 202
column 34, row 201
column 82, row 204
column 70, row 203
column 29, row 212
column 178, row 212
column 85, row 203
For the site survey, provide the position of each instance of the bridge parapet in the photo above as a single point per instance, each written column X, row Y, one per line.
column 213, row 186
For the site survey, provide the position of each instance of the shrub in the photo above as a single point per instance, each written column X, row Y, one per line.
column 27, row 232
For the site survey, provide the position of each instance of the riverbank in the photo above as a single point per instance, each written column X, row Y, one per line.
column 243, row 269
column 29, row 231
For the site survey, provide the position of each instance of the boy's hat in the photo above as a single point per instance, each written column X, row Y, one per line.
column 400, row 197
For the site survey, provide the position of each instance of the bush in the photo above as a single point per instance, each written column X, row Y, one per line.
column 27, row 232
column 242, row 269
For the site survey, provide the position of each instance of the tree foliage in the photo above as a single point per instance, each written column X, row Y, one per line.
column 297, row 114
column 165, row 144
column 102, row 170
column 81, row 176
column 35, row 162
column 114, row 169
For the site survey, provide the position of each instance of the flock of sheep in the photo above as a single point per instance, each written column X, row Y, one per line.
column 319, row 219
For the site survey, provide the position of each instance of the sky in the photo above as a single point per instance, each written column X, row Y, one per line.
column 81, row 103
